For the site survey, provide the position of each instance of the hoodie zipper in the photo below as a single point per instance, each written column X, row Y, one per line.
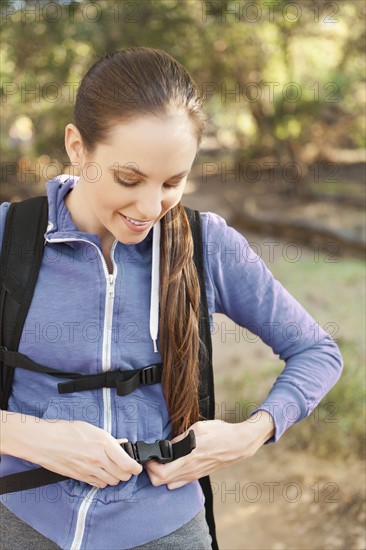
column 107, row 345
column 106, row 362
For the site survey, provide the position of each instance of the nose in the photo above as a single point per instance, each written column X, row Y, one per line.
column 149, row 204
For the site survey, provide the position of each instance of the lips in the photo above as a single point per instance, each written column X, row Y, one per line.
column 134, row 227
column 136, row 220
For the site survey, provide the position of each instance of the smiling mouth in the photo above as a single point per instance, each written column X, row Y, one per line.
column 136, row 222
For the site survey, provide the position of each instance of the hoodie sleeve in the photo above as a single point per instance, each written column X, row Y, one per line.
column 246, row 291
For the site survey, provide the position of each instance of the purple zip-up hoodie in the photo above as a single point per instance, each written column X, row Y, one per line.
column 83, row 319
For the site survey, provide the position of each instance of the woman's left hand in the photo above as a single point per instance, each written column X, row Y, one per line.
column 218, row 444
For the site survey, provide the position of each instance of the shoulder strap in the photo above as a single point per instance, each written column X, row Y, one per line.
column 20, row 260
column 206, row 387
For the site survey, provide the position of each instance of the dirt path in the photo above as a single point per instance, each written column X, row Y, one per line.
column 279, row 500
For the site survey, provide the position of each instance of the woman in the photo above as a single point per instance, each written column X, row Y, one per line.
column 138, row 124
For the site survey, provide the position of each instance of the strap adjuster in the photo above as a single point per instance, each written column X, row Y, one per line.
column 149, row 374
column 66, row 387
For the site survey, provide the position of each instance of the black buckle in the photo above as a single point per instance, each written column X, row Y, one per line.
column 161, row 450
column 148, row 374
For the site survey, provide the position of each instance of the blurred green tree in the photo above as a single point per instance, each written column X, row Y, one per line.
column 283, row 80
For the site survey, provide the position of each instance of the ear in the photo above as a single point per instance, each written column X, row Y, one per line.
column 74, row 146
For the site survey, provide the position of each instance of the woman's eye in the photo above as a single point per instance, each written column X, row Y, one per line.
column 171, row 186
column 126, row 183
column 133, row 184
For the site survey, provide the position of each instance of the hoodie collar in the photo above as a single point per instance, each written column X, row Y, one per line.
column 61, row 227
column 59, row 219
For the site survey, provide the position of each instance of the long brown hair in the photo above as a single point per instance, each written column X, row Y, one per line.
column 120, row 86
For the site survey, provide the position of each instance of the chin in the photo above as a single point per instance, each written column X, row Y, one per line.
column 133, row 240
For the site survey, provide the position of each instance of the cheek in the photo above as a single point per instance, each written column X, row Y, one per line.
column 172, row 200
column 107, row 199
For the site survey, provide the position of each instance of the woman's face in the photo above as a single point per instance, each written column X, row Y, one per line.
column 152, row 155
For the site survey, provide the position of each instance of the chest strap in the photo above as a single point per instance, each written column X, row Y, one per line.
column 125, row 382
column 161, row 450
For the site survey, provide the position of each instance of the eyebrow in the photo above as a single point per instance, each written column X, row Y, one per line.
column 139, row 173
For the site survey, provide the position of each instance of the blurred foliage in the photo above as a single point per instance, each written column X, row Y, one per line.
column 283, row 80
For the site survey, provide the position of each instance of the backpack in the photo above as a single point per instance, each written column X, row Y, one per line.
column 20, row 261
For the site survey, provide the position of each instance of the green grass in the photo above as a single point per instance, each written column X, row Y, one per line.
column 338, row 188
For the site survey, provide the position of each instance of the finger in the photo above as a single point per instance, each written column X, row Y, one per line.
column 160, row 476
column 109, row 478
column 163, row 474
column 158, row 470
column 117, row 472
column 120, row 462
column 96, row 482
column 177, row 484
column 124, row 472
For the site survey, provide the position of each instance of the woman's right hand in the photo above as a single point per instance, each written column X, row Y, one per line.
column 81, row 451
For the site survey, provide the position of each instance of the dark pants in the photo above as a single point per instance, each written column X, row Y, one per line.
column 17, row 535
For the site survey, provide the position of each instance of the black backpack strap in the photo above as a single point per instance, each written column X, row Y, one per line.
column 162, row 450
column 125, row 382
column 20, row 260
column 206, row 386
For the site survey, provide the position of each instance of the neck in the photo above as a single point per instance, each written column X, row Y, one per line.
column 81, row 215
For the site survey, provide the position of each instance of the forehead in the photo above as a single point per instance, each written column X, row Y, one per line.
column 149, row 141
column 153, row 131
